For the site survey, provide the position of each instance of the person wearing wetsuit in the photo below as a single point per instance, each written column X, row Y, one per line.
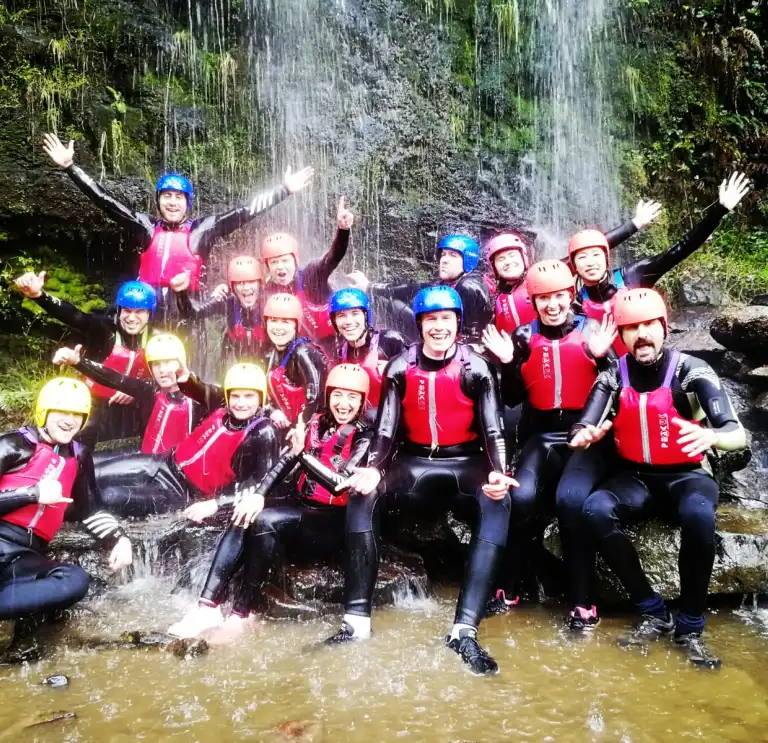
column 458, row 258
column 550, row 365
column 359, row 342
column 173, row 242
column 117, row 340
column 233, row 447
column 296, row 367
column 238, row 302
column 336, row 441
column 438, row 446
column 45, row 476
column 309, row 283
column 588, row 254
column 667, row 410
column 170, row 416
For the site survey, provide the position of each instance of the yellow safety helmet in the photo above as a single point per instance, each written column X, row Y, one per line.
column 64, row 394
column 245, row 377
column 165, row 347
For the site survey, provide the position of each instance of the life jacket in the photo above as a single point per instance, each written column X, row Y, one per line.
column 558, row 374
column 598, row 310
column 169, row 424
column 46, row 464
column 643, row 428
column 169, row 254
column 371, row 366
column 317, row 317
column 333, row 451
column 435, row 410
column 290, row 398
column 240, row 334
column 123, row 361
column 205, row 456
column 514, row 309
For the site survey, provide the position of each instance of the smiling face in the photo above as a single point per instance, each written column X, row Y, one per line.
column 62, row 427
column 243, row 404
column 282, row 269
column 451, row 265
column 173, row 206
column 247, row 293
column 280, row 331
column 553, row 308
column 351, row 324
column 133, row 322
column 344, row 405
column 591, row 264
column 439, row 331
column 164, row 373
column 509, row 264
column 644, row 341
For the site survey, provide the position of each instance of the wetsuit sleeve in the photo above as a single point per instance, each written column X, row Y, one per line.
column 256, row 456
column 384, row 442
column 199, row 310
column 478, row 308
column 512, row 387
column 86, row 323
column 316, row 273
column 618, row 235
column 108, row 204
column 210, row 396
column 647, row 271
column 482, row 388
column 601, row 402
column 15, row 451
column 391, row 343
column 698, row 379
column 312, row 369
column 138, row 388
column 400, row 292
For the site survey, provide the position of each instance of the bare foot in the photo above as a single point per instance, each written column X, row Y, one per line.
column 196, row 621
column 234, row 627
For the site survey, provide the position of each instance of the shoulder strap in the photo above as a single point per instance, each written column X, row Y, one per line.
column 579, row 322
column 29, row 435
column 344, row 433
column 253, row 423
column 373, row 346
column 294, row 345
column 624, row 372
column 299, row 279
column 464, row 356
column 674, row 359
column 413, row 354
column 534, row 327
column 618, row 279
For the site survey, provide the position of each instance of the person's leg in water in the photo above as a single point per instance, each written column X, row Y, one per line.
column 139, row 485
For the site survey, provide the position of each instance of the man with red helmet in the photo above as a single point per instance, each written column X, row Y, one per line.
column 667, row 411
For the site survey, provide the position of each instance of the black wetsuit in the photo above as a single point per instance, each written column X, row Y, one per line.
column 30, row 582
column 390, row 344
column 685, row 494
column 314, row 529
column 427, row 482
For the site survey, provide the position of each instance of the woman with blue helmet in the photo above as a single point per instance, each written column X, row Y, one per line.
column 359, row 342
column 173, row 242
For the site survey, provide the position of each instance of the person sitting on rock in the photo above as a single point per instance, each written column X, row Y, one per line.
column 438, row 446
column 336, row 441
column 550, row 365
column 233, row 447
column 309, row 283
column 170, row 416
column 588, row 254
column 296, row 367
column 667, row 410
column 360, row 342
column 117, row 340
column 46, row 476
column 238, row 301
column 458, row 257
column 173, row 242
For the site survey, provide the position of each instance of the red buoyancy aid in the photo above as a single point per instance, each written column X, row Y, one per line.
column 435, row 410
column 333, row 451
column 45, row 464
column 123, row 361
column 371, row 366
column 317, row 317
column 242, row 335
column 168, row 255
column 205, row 456
column 558, row 374
column 169, row 424
column 514, row 309
column 598, row 310
column 643, row 428
column 288, row 397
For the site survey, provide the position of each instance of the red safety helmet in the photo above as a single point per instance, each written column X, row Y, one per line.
column 547, row 277
column 637, row 306
column 243, row 268
column 587, row 239
column 508, row 241
column 348, row 377
column 277, row 244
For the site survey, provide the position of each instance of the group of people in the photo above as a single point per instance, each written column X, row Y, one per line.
column 531, row 390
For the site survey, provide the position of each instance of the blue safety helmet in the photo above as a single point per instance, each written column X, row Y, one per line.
column 350, row 299
column 136, row 295
column 469, row 249
column 436, row 298
column 175, row 182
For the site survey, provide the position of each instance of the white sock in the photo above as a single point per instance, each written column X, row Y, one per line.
column 457, row 628
column 361, row 626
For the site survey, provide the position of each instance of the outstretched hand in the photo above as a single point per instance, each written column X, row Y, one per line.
column 590, row 435
column 600, row 341
column 344, row 217
column 499, row 343
column 363, row 480
column 30, row 284
column 645, row 213
column 295, row 182
column 734, row 189
column 697, row 439
column 68, row 356
column 61, row 155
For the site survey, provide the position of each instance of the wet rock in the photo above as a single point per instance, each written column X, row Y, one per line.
column 760, row 410
column 689, row 333
column 55, row 682
column 700, row 291
column 33, row 721
column 758, row 375
column 7, row 632
column 279, row 605
column 744, row 329
column 308, row 731
column 761, row 300
column 186, row 647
